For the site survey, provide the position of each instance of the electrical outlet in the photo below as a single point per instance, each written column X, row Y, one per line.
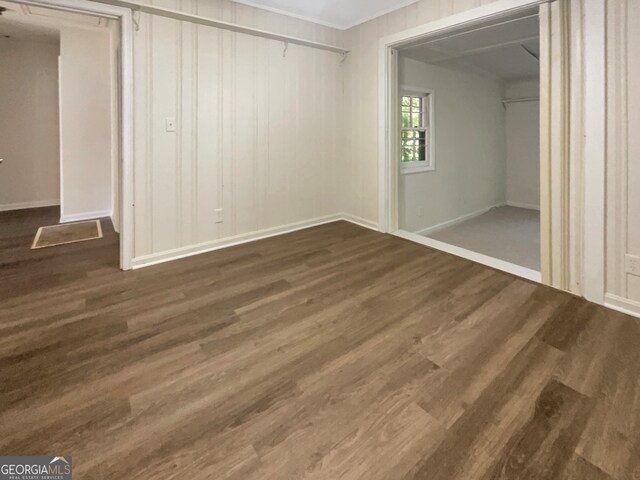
column 633, row 265
column 219, row 215
column 170, row 124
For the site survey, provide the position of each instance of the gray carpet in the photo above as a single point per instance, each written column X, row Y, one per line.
column 507, row 233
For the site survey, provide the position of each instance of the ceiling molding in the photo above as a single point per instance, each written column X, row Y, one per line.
column 317, row 21
column 380, row 13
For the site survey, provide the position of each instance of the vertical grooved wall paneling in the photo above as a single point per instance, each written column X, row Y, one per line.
column 256, row 127
column 623, row 152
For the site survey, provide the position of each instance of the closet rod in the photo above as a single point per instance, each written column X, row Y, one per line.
column 188, row 17
column 519, row 100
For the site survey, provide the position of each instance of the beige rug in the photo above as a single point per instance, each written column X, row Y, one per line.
column 67, row 233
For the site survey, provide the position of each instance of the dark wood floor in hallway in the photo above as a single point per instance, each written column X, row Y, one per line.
column 329, row 353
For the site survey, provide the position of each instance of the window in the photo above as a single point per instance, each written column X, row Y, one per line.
column 416, row 141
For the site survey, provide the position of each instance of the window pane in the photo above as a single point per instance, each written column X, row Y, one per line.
column 416, row 102
column 406, row 101
column 416, row 120
column 426, row 111
column 407, row 154
column 422, row 154
column 406, row 120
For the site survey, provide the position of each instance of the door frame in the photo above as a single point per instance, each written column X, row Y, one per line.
column 126, row 124
column 556, row 198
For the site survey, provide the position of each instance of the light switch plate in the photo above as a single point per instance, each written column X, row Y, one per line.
column 219, row 218
column 170, row 123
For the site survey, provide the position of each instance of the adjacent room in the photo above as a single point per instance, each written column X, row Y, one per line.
column 319, row 240
column 470, row 167
column 59, row 133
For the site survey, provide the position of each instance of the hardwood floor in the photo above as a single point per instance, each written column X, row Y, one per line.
column 329, row 353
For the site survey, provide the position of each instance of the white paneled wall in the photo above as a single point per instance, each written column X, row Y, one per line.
column 317, row 156
column 623, row 154
column 257, row 131
column 86, row 142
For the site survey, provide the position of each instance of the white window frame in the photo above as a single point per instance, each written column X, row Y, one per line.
column 429, row 164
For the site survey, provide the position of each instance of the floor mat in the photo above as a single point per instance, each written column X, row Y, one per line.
column 67, row 233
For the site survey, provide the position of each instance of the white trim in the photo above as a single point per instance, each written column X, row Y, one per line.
column 457, row 220
column 78, row 217
column 60, row 149
column 24, row 205
column 183, row 252
column 428, row 97
column 306, row 18
column 409, row 168
column 363, row 222
column 528, row 206
column 124, row 15
column 508, row 267
column 594, row 148
column 496, row 9
column 624, row 305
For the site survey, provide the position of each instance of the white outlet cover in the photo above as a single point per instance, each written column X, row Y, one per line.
column 633, row 265
column 170, row 123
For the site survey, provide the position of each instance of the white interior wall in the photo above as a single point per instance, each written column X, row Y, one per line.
column 623, row 155
column 470, row 148
column 85, row 123
column 257, row 132
column 632, row 219
column 30, row 171
column 523, row 144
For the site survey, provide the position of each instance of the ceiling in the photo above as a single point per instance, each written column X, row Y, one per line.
column 504, row 51
column 340, row 14
column 25, row 22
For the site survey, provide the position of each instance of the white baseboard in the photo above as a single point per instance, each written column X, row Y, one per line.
column 528, row 206
column 24, row 205
column 455, row 221
column 183, row 252
column 498, row 264
column 78, row 217
column 363, row 222
column 624, row 305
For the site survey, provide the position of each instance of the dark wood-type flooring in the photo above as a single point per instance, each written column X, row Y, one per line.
column 329, row 353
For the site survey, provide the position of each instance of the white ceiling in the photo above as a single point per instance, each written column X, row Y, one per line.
column 340, row 14
column 24, row 22
column 505, row 51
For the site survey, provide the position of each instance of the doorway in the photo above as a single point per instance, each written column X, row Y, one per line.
column 470, row 141
column 87, row 158
column 474, row 178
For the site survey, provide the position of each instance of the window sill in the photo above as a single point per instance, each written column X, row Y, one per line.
column 409, row 169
